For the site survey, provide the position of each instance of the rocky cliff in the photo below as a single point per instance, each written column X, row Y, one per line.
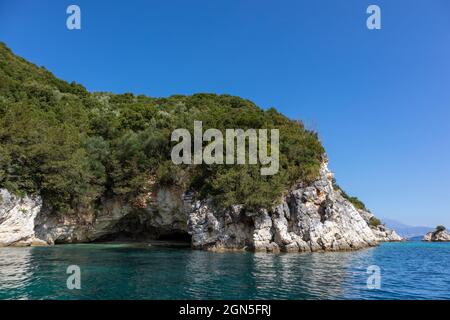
column 17, row 220
column 308, row 218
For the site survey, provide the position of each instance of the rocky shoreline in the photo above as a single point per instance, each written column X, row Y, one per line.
column 307, row 219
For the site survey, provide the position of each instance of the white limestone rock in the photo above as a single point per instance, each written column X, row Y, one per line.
column 17, row 216
column 381, row 232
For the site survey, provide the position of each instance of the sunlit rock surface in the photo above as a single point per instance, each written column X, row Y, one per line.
column 308, row 218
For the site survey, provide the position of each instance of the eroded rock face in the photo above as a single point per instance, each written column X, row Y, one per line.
column 308, row 218
column 312, row 218
column 163, row 213
column 24, row 221
column 17, row 219
column 86, row 225
column 384, row 234
column 437, row 236
column 381, row 232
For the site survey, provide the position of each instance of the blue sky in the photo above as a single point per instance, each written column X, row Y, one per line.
column 380, row 99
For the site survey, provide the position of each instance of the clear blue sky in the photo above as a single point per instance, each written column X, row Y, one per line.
column 379, row 99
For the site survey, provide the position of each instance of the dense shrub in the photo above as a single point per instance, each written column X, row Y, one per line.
column 358, row 204
column 374, row 222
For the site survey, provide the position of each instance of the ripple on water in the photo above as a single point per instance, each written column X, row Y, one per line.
column 121, row 271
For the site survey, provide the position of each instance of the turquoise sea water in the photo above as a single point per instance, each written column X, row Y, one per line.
column 412, row 270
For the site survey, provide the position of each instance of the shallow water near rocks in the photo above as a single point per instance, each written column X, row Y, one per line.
column 410, row 270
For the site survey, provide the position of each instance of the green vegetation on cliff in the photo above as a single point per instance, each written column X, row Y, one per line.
column 358, row 204
column 73, row 147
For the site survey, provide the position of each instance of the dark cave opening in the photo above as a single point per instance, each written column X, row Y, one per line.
column 154, row 237
column 176, row 236
column 135, row 228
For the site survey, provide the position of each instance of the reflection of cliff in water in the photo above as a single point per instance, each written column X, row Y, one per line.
column 139, row 271
column 272, row 276
column 304, row 276
column 16, row 270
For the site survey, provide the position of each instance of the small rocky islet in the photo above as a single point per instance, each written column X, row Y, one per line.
column 439, row 235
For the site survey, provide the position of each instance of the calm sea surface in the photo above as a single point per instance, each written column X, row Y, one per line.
column 412, row 270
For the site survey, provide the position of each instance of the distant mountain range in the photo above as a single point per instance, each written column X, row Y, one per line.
column 405, row 230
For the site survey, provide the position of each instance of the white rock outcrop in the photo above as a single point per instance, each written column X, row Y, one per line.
column 437, row 236
column 381, row 232
column 17, row 219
